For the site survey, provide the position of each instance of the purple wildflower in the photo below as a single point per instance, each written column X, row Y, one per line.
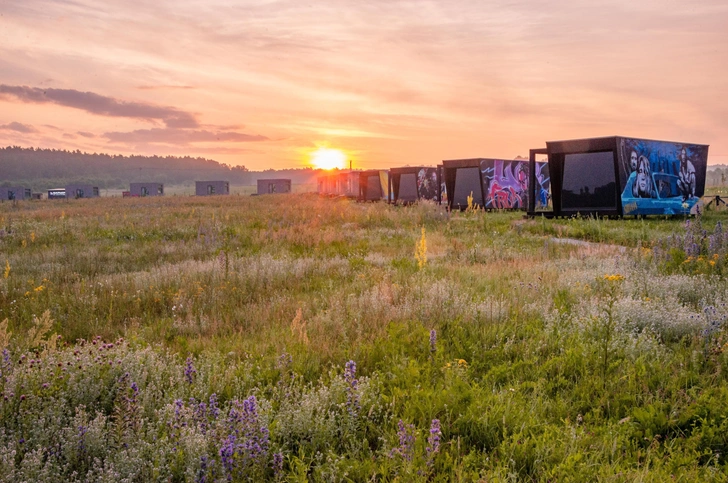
column 715, row 241
column 131, row 400
column 177, row 423
column 284, row 361
column 352, row 397
column 234, row 418
column 713, row 322
column 262, row 443
column 82, row 439
column 406, row 434
column 433, row 441
column 277, row 465
column 242, row 422
column 190, row 371
column 256, row 435
column 202, row 472
column 178, row 405
column 212, row 406
column 200, row 414
column 433, row 341
column 227, row 456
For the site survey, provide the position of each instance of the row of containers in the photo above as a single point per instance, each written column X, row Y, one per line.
column 202, row 188
column 608, row 176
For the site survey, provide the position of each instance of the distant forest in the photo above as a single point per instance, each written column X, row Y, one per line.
column 717, row 175
column 41, row 169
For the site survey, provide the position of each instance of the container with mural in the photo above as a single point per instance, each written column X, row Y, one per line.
column 614, row 176
column 661, row 177
column 413, row 183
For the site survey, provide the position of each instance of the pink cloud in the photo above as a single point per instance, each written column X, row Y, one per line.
column 101, row 105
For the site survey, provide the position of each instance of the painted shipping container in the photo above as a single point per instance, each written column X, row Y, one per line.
column 617, row 176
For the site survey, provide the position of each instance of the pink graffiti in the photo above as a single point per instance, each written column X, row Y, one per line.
column 508, row 185
column 504, row 197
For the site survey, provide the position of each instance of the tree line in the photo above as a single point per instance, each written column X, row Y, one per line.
column 41, row 169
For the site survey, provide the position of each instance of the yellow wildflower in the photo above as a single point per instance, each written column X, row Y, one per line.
column 421, row 250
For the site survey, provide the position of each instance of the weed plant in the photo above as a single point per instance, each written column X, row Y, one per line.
column 298, row 338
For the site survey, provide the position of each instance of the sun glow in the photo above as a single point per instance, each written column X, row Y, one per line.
column 326, row 158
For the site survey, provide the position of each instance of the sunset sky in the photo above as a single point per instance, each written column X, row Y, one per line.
column 391, row 83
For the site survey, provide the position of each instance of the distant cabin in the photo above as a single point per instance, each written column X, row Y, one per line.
column 146, row 189
column 463, row 181
column 413, row 183
column 57, row 194
column 326, row 185
column 373, row 185
column 339, row 184
column 11, row 193
column 270, row 186
column 493, row 184
column 347, row 184
column 74, row 191
column 211, row 188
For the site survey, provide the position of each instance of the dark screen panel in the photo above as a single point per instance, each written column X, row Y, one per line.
column 589, row 181
column 408, row 187
column 374, row 188
column 467, row 181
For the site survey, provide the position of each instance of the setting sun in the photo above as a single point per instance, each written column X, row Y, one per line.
column 326, row 158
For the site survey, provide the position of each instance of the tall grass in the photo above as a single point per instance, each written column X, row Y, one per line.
column 299, row 338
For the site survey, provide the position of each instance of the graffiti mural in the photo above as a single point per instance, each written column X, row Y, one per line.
column 427, row 184
column 661, row 177
column 543, row 186
column 505, row 183
column 384, row 185
column 443, row 186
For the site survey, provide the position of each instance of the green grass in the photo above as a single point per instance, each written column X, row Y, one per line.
column 553, row 360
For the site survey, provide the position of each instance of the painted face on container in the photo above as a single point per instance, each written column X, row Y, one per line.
column 643, row 175
column 633, row 160
column 683, row 156
column 522, row 175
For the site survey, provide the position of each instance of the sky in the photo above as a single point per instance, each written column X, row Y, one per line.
column 391, row 83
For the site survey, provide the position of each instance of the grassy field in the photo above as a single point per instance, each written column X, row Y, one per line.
column 300, row 338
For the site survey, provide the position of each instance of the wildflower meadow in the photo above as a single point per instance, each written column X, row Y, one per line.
column 300, row 338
